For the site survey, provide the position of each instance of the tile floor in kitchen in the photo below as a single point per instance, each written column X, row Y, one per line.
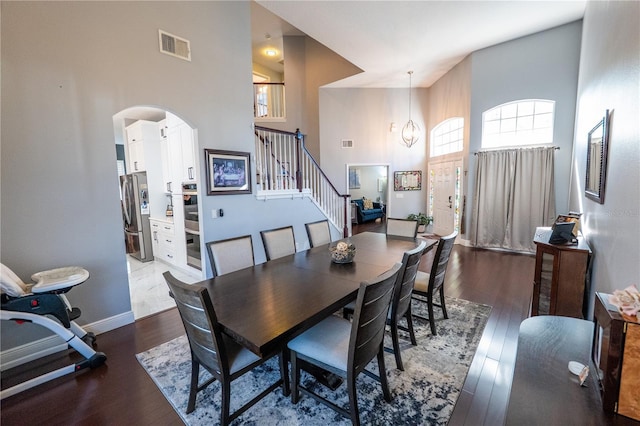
column 148, row 289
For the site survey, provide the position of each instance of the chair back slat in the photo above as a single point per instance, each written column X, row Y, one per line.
column 406, row 280
column 200, row 323
column 441, row 259
column 402, row 227
column 318, row 232
column 278, row 242
column 370, row 318
column 231, row 254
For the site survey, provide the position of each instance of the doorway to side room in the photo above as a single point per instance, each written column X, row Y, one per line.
column 148, row 291
column 369, row 181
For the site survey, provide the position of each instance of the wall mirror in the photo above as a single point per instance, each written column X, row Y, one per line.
column 597, row 144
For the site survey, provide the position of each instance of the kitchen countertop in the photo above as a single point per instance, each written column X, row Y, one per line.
column 167, row 219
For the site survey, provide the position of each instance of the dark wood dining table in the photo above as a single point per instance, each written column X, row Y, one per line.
column 264, row 306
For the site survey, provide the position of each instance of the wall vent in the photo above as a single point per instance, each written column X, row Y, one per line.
column 174, row 45
column 347, row 143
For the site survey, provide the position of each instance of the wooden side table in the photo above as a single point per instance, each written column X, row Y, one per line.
column 560, row 277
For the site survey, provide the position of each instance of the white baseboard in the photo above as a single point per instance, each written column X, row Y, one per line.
column 28, row 352
column 464, row 243
column 110, row 323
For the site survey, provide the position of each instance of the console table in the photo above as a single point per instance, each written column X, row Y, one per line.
column 544, row 391
column 560, row 277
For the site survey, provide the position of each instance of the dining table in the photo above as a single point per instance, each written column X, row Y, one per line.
column 264, row 306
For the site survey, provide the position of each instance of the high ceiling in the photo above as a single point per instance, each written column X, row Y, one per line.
column 388, row 38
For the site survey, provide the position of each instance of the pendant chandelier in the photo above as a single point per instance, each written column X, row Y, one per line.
column 410, row 131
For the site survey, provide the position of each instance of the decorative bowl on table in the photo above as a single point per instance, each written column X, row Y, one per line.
column 342, row 252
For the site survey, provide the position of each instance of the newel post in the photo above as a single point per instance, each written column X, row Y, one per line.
column 299, row 142
column 347, row 213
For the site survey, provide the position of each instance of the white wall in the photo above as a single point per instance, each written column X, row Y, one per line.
column 610, row 79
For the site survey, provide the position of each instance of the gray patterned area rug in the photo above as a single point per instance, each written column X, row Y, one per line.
column 425, row 393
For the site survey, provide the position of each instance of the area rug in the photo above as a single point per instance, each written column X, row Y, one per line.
column 425, row 393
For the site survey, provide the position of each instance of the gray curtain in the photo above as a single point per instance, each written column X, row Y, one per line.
column 513, row 195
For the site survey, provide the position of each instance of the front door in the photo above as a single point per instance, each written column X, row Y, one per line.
column 446, row 196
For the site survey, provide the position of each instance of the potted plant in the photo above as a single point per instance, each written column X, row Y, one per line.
column 423, row 220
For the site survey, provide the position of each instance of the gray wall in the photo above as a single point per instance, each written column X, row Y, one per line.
column 449, row 97
column 308, row 66
column 540, row 66
column 365, row 116
column 369, row 176
column 543, row 65
column 610, row 79
column 67, row 68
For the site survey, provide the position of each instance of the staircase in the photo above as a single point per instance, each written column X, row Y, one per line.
column 285, row 169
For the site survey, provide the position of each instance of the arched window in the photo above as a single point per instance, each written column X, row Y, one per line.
column 523, row 122
column 447, row 137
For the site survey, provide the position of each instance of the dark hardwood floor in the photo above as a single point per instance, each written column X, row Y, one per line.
column 122, row 393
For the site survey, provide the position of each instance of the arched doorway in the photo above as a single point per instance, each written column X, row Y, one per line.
column 152, row 202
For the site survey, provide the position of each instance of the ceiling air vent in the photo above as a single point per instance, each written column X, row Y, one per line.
column 347, row 143
column 174, row 46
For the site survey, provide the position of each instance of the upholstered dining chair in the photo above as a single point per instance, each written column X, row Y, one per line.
column 230, row 254
column 427, row 284
column 225, row 359
column 345, row 348
column 278, row 242
column 402, row 227
column 401, row 301
column 318, row 233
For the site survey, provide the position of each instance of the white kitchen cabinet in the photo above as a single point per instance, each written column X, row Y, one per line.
column 143, row 154
column 167, row 168
column 187, row 145
column 163, row 240
column 136, row 157
column 182, row 153
column 143, row 138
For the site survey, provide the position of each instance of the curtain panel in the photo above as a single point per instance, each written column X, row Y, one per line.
column 514, row 194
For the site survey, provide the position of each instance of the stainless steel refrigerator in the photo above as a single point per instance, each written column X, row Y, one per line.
column 135, row 214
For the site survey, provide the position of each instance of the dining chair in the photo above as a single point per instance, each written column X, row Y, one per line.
column 401, row 301
column 427, row 284
column 231, row 254
column 278, row 242
column 225, row 359
column 318, row 233
column 345, row 348
column 402, row 227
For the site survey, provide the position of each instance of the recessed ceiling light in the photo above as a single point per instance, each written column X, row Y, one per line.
column 270, row 52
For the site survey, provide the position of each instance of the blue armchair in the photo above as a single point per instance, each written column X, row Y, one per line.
column 368, row 214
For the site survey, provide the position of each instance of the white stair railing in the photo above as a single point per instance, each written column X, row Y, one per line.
column 284, row 168
column 268, row 101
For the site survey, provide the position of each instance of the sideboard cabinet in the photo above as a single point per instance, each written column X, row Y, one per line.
column 616, row 354
column 560, row 277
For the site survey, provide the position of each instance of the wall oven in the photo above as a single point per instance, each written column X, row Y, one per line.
column 191, row 224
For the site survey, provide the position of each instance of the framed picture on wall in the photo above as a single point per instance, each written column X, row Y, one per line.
column 228, row 172
column 407, row 181
column 354, row 178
